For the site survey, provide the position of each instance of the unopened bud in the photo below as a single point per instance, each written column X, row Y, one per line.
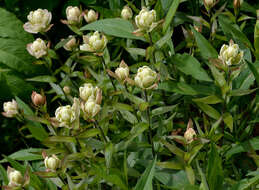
column 189, row 135
column 208, row 4
column 90, row 16
column 52, row 163
column 38, row 99
column 66, row 89
column 126, row 13
column 122, row 72
column 74, row 15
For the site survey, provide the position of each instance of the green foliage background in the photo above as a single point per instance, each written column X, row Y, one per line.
column 193, row 93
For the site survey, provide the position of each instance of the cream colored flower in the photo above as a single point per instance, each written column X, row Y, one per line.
column 189, row 135
column 122, row 72
column 10, row 108
column 71, row 44
column 126, row 13
column 38, row 48
column 15, row 178
column 74, row 15
column 145, row 20
column 90, row 108
column 90, row 16
column 230, row 54
column 52, row 163
column 38, row 21
column 146, row 78
column 65, row 115
column 87, row 90
column 94, row 43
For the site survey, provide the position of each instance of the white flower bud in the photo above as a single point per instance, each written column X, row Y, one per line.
column 52, row 163
column 189, row 135
column 74, row 15
column 65, row 115
column 86, row 91
column 145, row 77
column 122, row 72
column 10, row 109
column 90, row 108
column 38, row 48
column 38, row 21
column 90, row 16
column 208, row 3
column 94, row 42
column 66, row 89
column 230, row 54
column 71, row 44
column 126, row 13
column 15, row 178
column 145, row 20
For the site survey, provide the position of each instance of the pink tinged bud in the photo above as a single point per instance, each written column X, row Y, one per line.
column 38, row 99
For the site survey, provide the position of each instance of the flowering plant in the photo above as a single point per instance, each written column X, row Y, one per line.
column 138, row 97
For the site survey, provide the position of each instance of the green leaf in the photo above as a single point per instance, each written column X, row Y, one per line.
column 89, row 133
column 109, row 149
column 254, row 71
column 170, row 15
column 131, row 118
column 35, row 128
column 190, row 66
column 203, row 177
column 187, row 89
column 60, row 139
column 145, row 181
column 208, row 100
column 228, row 120
column 162, row 110
column 218, row 76
column 26, row 154
column 209, row 110
column 3, row 175
column 214, row 170
column 256, row 39
column 206, row 49
column 190, row 174
column 174, row 165
column 113, row 26
column 43, row 78
column 246, row 184
column 249, row 145
column 173, row 148
column 112, row 177
column 173, row 179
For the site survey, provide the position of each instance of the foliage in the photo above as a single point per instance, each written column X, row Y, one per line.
column 189, row 121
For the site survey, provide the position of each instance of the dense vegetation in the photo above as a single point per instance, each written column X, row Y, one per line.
column 120, row 94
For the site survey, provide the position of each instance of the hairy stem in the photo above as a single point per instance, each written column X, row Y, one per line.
column 104, row 67
column 101, row 130
column 149, row 125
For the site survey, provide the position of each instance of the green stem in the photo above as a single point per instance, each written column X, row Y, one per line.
column 153, row 52
column 149, row 125
column 101, row 130
column 104, row 67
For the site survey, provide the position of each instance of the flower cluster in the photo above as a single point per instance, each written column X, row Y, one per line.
column 231, row 54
